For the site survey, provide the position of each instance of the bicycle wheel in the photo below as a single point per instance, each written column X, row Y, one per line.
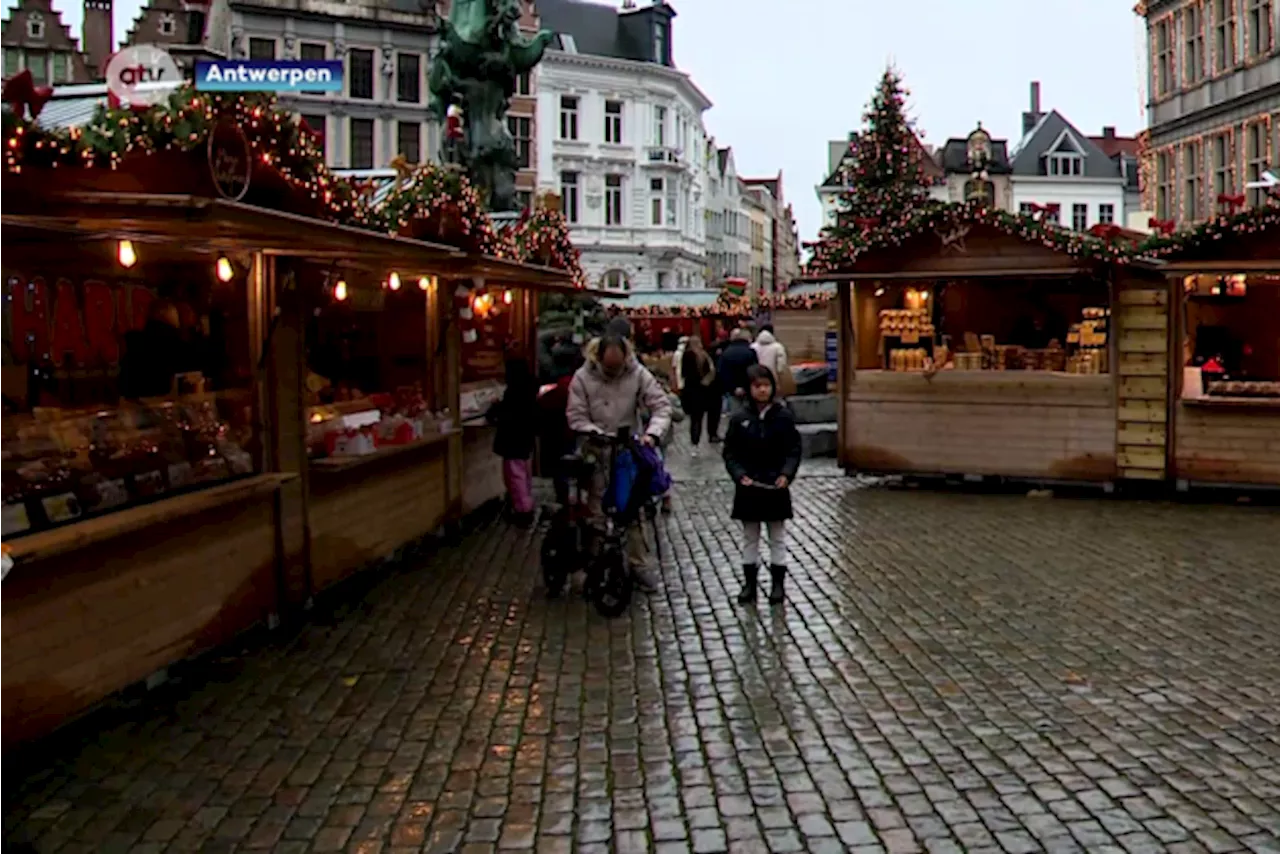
column 612, row 594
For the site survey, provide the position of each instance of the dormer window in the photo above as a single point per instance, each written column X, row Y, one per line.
column 1064, row 158
column 168, row 24
column 979, row 147
column 661, row 48
column 35, row 25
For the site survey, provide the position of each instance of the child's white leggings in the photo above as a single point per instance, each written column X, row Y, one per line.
column 777, row 542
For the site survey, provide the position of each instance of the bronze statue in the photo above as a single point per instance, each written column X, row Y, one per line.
column 481, row 56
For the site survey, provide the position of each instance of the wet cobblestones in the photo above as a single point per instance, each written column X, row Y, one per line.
column 951, row 673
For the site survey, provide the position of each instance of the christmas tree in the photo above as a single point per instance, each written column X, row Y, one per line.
column 884, row 173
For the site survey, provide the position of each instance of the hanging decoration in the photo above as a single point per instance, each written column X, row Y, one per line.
column 440, row 205
column 541, row 236
column 1252, row 221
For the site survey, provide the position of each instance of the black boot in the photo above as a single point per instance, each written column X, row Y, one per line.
column 778, row 572
column 749, row 586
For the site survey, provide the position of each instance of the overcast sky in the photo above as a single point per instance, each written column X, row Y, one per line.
column 786, row 77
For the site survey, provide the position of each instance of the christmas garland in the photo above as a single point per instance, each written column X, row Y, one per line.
column 1206, row 233
column 541, row 237
column 796, row 301
column 725, row 305
column 439, row 204
column 837, row 253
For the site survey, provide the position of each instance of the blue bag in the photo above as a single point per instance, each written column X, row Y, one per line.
column 659, row 478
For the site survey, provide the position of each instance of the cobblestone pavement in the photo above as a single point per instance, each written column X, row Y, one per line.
column 951, row 673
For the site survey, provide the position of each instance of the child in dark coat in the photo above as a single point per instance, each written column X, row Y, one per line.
column 762, row 454
column 516, row 417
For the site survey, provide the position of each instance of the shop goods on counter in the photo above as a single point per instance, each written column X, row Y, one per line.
column 360, row 427
column 1244, row 388
column 911, row 324
column 914, row 359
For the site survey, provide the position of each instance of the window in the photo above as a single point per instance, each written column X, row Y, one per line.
column 1224, row 178
column 312, row 52
column 1255, row 153
column 1224, row 34
column 1079, row 217
column 662, row 280
column 1258, row 25
column 660, row 46
column 615, row 280
column 409, row 141
column 524, row 84
column 262, row 48
column 1106, row 213
column 12, row 62
column 1053, row 213
column 522, row 137
column 568, row 117
column 671, row 208
column 35, row 25
column 1164, row 185
column 1026, row 208
column 613, row 122
column 656, row 186
column 659, row 126
column 524, row 199
column 362, row 143
column 1193, row 183
column 1193, row 44
column 408, row 78
column 613, row 200
column 1164, row 75
column 1065, row 164
column 61, row 68
column 316, row 124
column 569, row 195
column 38, row 65
column 360, row 70
column 168, row 24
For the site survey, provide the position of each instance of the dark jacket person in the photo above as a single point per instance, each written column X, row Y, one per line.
column 155, row 354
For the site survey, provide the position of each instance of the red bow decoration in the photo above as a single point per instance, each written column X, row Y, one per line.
column 24, row 96
column 1164, row 226
column 866, row 223
column 1233, row 202
column 1039, row 210
column 115, row 103
column 1106, row 230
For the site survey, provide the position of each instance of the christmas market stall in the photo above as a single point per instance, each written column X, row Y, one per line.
column 660, row 318
column 226, row 385
column 1224, row 301
column 802, row 318
column 976, row 343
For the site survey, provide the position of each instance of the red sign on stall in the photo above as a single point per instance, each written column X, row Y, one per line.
column 85, row 323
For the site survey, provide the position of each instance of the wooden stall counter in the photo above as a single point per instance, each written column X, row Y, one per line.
column 1031, row 424
column 1228, row 441
column 99, row 605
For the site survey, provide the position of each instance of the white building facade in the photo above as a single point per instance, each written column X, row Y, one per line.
column 621, row 140
column 728, row 224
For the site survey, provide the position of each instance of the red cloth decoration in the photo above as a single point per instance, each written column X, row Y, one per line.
column 20, row 92
column 1164, row 226
column 1106, row 230
column 1233, row 202
column 867, row 223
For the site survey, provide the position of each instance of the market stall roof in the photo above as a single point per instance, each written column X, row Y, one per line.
column 661, row 299
column 74, row 106
column 800, row 289
column 220, row 225
column 1245, row 242
column 968, row 241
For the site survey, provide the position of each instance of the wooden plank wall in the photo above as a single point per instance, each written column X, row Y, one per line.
column 481, row 469
column 1017, row 424
column 362, row 514
column 803, row 332
column 1141, row 319
column 1227, row 445
column 81, row 626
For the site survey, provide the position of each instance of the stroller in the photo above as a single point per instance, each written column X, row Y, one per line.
column 574, row 543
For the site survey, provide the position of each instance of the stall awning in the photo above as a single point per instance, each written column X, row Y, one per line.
column 641, row 300
column 224, row 226
column 810, row 289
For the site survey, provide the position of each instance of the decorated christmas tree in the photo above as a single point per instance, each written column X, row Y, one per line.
column 885, row 177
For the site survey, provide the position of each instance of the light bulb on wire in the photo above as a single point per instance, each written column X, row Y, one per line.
column 340, row 290
column 126, row 254
column 224, row 270
column 393, row 281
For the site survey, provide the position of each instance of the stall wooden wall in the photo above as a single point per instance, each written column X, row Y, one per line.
column 79, row 626
column 803, row 332
column 361, row 514
column 481, row 469
column 1230, row 445
column 1141, row 351
column 1012, row 424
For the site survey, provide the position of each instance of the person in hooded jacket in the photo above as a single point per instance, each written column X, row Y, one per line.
column 762, row 454
column 697, row 388
column 516, row 418
column 770, row 352
column 607, row 393
column 156, row 353
column 732, row 367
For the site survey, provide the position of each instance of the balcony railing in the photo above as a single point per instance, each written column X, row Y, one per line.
column 662, row 155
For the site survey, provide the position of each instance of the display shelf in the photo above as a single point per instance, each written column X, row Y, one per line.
column 1224, row 402
column 343, row 463
column 95, row 529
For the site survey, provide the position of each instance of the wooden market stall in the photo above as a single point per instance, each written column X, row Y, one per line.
column 976, row 343
column 801, row 319
column 1224, row 303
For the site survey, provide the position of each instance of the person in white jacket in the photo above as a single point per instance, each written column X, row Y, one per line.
column 770, row 352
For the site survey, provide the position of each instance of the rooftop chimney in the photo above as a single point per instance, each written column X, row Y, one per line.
column 1108, row 132
column 1030, row 119
column 98, row 38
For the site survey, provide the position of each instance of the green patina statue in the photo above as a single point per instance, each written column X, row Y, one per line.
column 472, row 79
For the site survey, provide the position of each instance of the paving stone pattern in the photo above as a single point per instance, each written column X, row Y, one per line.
column 951, row 673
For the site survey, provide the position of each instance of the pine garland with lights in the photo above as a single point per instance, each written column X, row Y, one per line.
column 883, row 173
column 837, row 255
column 541, row 236
column 1220, row 227
column 439, row 204
column 796, row 301
column 725, row 305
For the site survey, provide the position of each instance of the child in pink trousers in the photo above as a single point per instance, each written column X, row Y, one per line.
column 516, row 418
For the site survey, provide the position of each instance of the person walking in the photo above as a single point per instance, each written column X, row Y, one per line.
column 771, row 353
column 516, row 418
column 762, row 454
column 606, row 394
column 732, row 368
column 697, row 388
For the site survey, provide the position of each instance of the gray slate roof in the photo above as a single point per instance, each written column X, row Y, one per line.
column 1029, row 159
column 599, row 30
column 955, row 157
